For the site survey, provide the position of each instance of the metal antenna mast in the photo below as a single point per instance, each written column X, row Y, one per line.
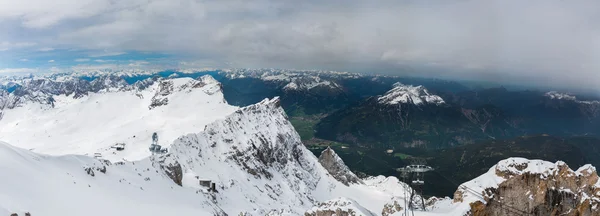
column 414, row 174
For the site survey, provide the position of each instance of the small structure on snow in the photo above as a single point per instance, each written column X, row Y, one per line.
column 207, row 183
column 155, row 148
column 119, row 146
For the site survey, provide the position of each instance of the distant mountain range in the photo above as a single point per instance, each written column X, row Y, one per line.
column 417, row 118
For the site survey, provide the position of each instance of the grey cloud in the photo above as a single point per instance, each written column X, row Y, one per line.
column 555, row 42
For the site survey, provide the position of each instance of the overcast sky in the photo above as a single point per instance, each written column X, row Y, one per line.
column 545, row 41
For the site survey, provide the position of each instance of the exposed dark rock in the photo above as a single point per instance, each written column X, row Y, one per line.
column 336, row 167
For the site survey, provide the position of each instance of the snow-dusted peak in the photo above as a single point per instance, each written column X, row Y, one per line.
column 336, row 167
column 566, row 96
column 408, row 94
column 339, row 206
column 560, row 96
column 310, row 82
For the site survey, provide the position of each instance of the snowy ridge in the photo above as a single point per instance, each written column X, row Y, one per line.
column 565, row 96
column 408, row 94
column 391, row 185
column 293, row 80
column 127, row 114
column 310, row 82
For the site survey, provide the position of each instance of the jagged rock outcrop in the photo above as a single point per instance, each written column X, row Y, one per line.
column 339, row 207
column 518, row 186
column 90, row 170
column 170, row 167
column 336, row 167
column 392, row 207
column 165, row 88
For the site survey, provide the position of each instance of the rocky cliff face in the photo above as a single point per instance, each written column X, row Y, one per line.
column 518, row 186
column 336, row 167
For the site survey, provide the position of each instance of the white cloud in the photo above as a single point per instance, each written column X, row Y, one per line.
column 23, row 59
column 50, row 61
column 82, row 59
column 105, row 53
column 138, row 63
column 103, row 60
column 18, row 70
column 45, row 49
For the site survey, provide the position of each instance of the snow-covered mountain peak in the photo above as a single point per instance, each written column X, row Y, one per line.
column 336, row 167
column 402, row 94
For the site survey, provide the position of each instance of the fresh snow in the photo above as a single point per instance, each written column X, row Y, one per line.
column 254, row 156
column 94, row 123
column 402, row 94
column 59, row 185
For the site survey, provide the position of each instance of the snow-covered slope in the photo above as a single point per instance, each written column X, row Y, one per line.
column 61, row 185
column 88, row 122
column 402, row 94
column 254, row 156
